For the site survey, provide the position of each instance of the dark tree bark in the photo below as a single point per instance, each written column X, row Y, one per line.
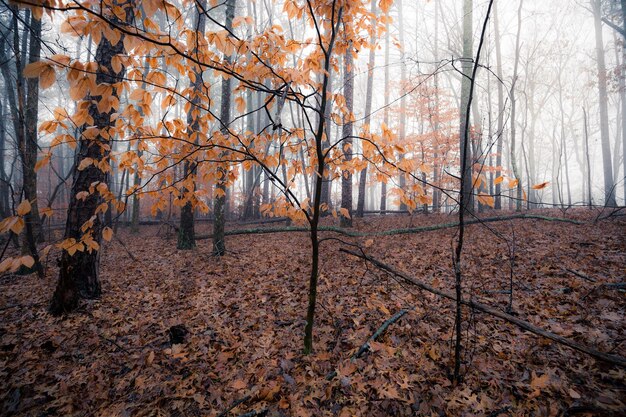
column 31, row 123
column 4, row 185
column 79, row 273
column 314, row 217
column 219, row 244
column 186, row 232
column 23, row 102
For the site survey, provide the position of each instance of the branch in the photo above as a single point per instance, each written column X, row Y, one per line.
column 609, row 358
column 614, row 26
column 391, row 232
column 366, row 346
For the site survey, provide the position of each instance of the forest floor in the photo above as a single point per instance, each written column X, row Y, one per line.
column 245, row 319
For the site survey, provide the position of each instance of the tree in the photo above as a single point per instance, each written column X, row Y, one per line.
column 466, row 149
column 219, row 244
column 500, row 128
column 368, row 105
column 609, row 187
column 516, row 170
column 186, row 231
column 79, row 263
column 346, row 175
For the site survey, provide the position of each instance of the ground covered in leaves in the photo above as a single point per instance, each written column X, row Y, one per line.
column 241, row 319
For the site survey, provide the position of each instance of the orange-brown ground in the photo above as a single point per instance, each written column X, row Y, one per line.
column 245, row 316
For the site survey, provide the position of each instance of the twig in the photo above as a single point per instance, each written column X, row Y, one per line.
column 233, row 405
column 125, row 248
column 366, row 346
column 113, row 342
column 580, row 275
column 255, row 413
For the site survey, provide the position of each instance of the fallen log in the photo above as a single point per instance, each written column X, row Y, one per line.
column 609, row 358
column 366, row 346
column 411, row 230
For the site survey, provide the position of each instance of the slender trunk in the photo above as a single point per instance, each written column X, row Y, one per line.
column 219, row 244
column 317, row 201
column 609, row 189
column 383, row 185
column 4, row 186
column 463, row 201
column 368, row 107
column 466, row 148
column 436, row 168
column 346, row 175
column 588, row 160
column 622, row 91
column 402, row 115
column 516, row 170
column 500, row 129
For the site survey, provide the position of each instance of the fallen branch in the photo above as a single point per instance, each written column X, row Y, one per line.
column 233, row 405
column 125, row 248
column 613, row 359
column 366, row 346
column 580, row 275
column 391, row 232
column 114, row 343
column 255, row 413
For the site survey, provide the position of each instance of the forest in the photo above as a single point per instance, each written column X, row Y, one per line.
column 313, row 208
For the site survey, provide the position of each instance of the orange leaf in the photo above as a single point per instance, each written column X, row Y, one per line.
column 27, row 261
column 23, row 208
column 107, row 234
column 239, row 384
column 34, row 69
column 540, row 186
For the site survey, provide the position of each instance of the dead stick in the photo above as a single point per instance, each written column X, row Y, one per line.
column 411, row 230
column 580, row 275
column 233, row 405
column 613, row 359
column 125, row 248
column 366, row 346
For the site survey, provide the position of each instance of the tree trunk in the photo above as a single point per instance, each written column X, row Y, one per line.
column 186, row 231
column 383, row 185
column 609, row 188
column 219, row 244
column 466, row 151
column 588, row 160
column 402, row 115
column 79, row 273
column 516, row 170
column 368, row 106
column 346, row 175
column 500, row 131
